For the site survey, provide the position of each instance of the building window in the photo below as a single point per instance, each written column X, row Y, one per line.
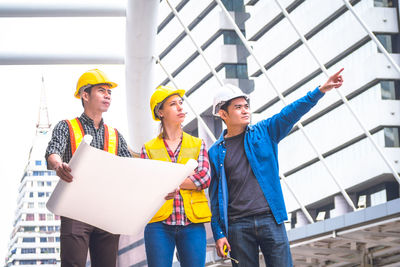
column 231, row 37
column 383, row 3
column 236, row 71
column 50, row 217
column 378, row 197
column 38, row 163
column 324, row 212
column 57, row 228
column 40, row 183
column 30, row 194
column 47, row 250
column 234, row 5
column 30, row 217
column 378, row 194
column 31, row 205
column 38, row 173
column 28, row 250
column 42, row 217
column 390, row 90
column 40, row 194
column 41, row 204
column 50, row 261
column 42, row 228
column 29, row 228
column 48, row 183
column 386, row 41
column 27, row 262
column 28, row 240
column 50, row 239
column 43, row 240
column 392, row 137
column 57, row 239
column 57, row 217
column 50, row 228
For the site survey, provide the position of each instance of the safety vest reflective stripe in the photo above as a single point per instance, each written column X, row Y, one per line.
column 110, row 140
column 76, row 134
column 76, row 128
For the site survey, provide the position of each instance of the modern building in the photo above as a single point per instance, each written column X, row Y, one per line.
column 35, row 239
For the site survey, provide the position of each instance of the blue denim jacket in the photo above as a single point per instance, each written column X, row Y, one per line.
column 261, row 148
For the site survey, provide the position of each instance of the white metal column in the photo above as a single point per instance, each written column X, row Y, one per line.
column 141, row 31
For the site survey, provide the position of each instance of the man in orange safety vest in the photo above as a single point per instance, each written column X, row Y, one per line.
column 94, row 89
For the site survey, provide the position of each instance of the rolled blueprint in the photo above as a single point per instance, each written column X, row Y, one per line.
column 119, row 195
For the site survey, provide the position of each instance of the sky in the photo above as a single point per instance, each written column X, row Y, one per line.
column 21, row 86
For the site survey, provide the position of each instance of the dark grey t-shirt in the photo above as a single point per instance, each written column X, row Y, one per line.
column 245, row 195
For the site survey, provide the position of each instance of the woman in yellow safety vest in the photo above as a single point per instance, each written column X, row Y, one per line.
column 179, row 222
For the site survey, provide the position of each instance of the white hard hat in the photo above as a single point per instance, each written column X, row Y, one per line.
column 224, row 94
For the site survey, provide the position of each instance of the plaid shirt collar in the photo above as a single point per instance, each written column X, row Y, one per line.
column 86, row 120
column 173, row 154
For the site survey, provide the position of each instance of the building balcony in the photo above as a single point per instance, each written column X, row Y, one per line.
column 275, row 48
column 375, row 67
column 337, row 129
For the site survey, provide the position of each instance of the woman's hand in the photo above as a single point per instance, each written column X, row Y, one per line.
column 172, row 194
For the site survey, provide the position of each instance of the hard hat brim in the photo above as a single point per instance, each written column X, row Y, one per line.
column 112, row 86
column 217, row 108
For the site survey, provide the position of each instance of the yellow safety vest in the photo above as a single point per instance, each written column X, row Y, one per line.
column 194, row 202
column 76, row 134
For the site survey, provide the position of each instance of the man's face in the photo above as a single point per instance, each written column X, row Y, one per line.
column 99, row 98
column 237, row 114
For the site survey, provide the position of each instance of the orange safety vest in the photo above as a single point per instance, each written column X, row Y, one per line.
column 76, row 134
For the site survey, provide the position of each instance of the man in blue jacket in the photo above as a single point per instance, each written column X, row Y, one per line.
column 248, row 209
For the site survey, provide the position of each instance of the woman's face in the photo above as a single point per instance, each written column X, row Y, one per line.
column 172, row 110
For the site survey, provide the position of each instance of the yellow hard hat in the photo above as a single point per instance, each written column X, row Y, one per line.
column 92, row 77
column 162, row 92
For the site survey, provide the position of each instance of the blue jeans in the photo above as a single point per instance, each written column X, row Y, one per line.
column 246, row 235
column 160, row 240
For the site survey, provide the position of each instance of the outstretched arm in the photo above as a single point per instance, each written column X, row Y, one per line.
column 279, row 125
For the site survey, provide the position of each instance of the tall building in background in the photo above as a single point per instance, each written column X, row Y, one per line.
column 334, row 234
column 35, row 239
